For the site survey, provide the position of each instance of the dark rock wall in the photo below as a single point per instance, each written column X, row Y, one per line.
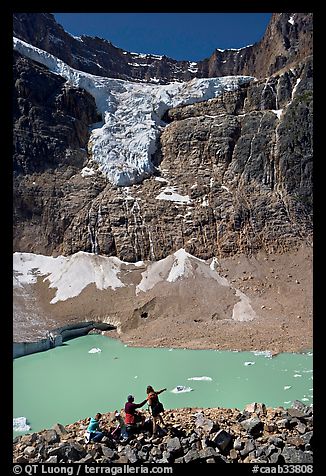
column 51, row 131
column 283, row 44
column 246, row 171
column 243, row 159
column 95, row 55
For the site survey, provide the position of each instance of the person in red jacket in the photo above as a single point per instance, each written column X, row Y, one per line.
column 133, row 417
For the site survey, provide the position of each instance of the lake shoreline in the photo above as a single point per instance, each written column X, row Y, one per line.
column 71, row 331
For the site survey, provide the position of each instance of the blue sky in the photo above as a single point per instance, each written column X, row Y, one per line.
column 182, row 36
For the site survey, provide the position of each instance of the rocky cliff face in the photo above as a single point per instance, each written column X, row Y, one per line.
column 234, row 174
column 288, row 39
column 95, row 55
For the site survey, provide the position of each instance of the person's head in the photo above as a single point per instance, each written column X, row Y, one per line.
column 130, row 398
column 98, row 416
column 149, row 389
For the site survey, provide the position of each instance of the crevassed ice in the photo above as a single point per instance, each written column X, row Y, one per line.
column 126, row 140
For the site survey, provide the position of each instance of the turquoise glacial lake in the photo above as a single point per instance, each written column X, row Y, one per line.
column 69, row 383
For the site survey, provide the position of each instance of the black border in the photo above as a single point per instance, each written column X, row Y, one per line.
column 6, row 190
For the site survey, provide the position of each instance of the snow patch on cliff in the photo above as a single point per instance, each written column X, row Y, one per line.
column 69, row 275
column 177, row 266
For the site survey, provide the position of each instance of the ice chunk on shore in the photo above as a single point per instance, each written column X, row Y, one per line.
column 94, row 350
column 181, row 389
column 265, row 353
column 200, row 378
column 20, row 424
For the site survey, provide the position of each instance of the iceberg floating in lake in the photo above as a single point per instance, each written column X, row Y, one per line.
column 94, row 350
column 249, row 363
column 286, row 387
column 200, row 378
column 181, row 389
column 20, row 424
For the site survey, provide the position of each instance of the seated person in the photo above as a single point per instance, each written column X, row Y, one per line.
column 133, row 418
column 120, row 429
column 93, row 432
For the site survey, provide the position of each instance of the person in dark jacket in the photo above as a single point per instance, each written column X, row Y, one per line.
column 132, row 416
column 156, row 407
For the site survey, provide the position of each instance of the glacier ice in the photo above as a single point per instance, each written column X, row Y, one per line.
column 132, row 112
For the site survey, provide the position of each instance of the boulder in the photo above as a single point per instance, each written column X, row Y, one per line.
column 192, row 456
column 302, row 407
column 276, row 440
column 208, row 452
column 275, row 456
column 60, row 430
column 295, row 413
column 222, row 439
column 51, row 436
column 30, row 451
column 156, row 452
column 248, row 448
column 107, row 452
column 301, row 428
column 72, row 451
column 205, row 423
column 253, row 426
column 233, row 454
column 307, row 438
column 131, row 455
column 295, row 441
column 283, row 423
column 293, row 455
column 238, row 444
column 173, row 445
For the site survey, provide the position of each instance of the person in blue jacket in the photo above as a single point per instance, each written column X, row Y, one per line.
column 93, row 432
